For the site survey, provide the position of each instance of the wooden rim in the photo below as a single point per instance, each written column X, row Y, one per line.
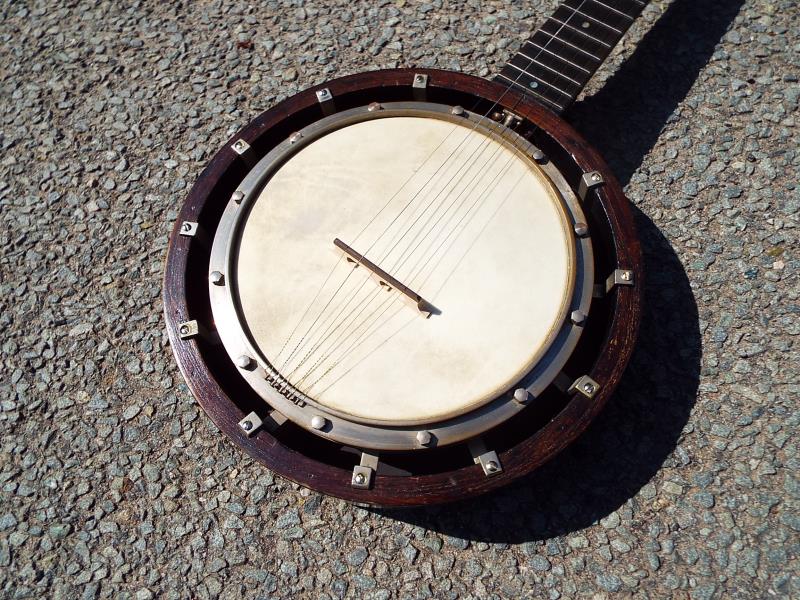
column 225, row 401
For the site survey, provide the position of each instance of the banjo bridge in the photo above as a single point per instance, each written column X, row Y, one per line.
column 386, row 280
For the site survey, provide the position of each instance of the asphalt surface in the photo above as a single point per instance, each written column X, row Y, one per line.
column 114, row 484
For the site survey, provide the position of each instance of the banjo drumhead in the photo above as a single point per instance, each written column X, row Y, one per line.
column 476, row 229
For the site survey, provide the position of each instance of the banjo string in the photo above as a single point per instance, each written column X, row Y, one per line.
column 482, row 118
column 403, row 258
column 383, row 233
column 358, row 342
column 358, row 235
column 345, row 304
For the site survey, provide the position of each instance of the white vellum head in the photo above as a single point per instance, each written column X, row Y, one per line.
column 463, row 220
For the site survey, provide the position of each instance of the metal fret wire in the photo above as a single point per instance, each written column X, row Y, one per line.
column 616, row 17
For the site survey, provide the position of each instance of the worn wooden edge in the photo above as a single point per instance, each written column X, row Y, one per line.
column 467, row 481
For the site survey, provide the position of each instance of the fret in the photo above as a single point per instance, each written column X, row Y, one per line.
column 530, row 60
column 517, row 85
column 543, row 81
column 595, row 19
column 554, row 41
column 570, row 18
column 632, row 8
column 559, row 59
column 540, row 80
column 539, row 87
column 601, row 13
column 584, row 33
column 557, row 55
column 611, row 8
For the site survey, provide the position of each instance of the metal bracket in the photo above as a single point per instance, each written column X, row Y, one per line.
column 250, row 424
column 188, row 228
column 589, row 181
column 192, row 229
column 188, row 329
column 487, row 459
column 245, row 152
column 325, row 99
column 240, row 147
column 420, row 86
column 618, row 277
column 511, row 120
column 363, row 472
column 584, row 385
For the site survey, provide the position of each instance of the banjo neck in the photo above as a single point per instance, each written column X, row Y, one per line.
column 555, row 64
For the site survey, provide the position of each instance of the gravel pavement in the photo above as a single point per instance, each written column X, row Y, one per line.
column 114, row 484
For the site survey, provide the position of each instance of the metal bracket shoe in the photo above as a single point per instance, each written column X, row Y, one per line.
column 585, row 385
column 420, row 87
column 245, row 152
column 589, row 181
column 618, row 277
column 325, row 99
column 364, row 472
column 251, row 424
column 487, row 459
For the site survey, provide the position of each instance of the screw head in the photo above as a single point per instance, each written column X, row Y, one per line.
column 596, row 177
column 247, row 425
column 295, row 137
column 239, row 145
column 457, row 110
column 238, row 196
column 588, row 388
column 419, row 78
column 492, row 466
column 522, row 395
column 581, row 229
column 217, row 278
column 577, row 317
column 360, row 479
column 626, row 275
column 497, row 115
column 539, row 156
column 244, row 362
column 184, row 329
column 374, row 106
column 424, row 438
column 186, row 226
column 318, row 422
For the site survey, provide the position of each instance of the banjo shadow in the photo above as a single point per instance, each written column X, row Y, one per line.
column 632, row 438
column 638, row 431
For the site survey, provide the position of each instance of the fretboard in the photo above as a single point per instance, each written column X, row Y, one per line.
column 557, row 62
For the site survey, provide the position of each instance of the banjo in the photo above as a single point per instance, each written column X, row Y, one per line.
column 412, row 286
